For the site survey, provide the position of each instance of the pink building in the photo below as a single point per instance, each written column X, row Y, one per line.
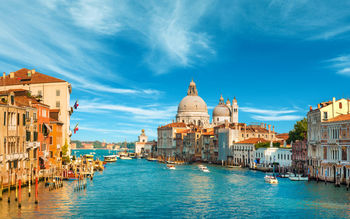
column 299, row 156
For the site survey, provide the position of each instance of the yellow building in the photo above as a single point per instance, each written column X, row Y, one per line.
column 52, row 91
column 56, row 136
column 18, row 145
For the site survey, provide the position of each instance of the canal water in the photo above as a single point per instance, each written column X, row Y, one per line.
column 139, row 188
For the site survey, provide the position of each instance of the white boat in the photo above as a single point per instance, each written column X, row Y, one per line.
column 203, row 168
column 298, row 178
column 110, row 158
column 171, row 167
column 125, row 158
column 271, row 179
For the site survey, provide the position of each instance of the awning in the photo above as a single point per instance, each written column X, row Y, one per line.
column 48, row 127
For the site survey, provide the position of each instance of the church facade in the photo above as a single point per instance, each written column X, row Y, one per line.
column 193, row 110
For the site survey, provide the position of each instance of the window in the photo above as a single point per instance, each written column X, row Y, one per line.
column 17, row 118
column 24, row 119
column 12, row 100
column 58, row 93
column 325, row 115
column 27, row 136
column 40, row 93
column 51, row 140
column 58, row 104
column 34, row 116
column 43, row 113
column 4, row 118
column 35, row 136
column 51, row 154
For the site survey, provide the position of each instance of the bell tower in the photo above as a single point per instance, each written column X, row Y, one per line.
column 234, row 111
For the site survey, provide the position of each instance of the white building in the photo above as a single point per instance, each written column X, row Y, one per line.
column 143, row 146
column 268, row 156
column 243, row 152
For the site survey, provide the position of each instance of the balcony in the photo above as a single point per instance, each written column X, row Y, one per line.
column 16, row 156
column 32, row 145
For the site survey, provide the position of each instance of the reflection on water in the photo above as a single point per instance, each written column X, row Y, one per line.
column 138, row 188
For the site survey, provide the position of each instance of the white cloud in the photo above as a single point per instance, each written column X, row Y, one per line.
column 341, row 64
column 155, row 113
column 277, row 117
column 264, row 111
column 271, row 115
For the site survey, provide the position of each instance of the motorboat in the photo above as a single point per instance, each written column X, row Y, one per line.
column 125, row 158
column 271, row 179
column 298, row 178
column 171, row 167
column 110, row 158
column 203, row 168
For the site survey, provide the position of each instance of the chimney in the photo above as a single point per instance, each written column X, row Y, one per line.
column 273, row 128
column 12, row 75
column 33, row 71
column 4, row 75
column 310, row 108
column 269, row 128
column 318, row 106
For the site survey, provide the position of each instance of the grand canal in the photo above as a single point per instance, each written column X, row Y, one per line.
column 139, row 188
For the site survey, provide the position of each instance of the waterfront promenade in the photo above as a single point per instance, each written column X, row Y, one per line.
column 139, row 188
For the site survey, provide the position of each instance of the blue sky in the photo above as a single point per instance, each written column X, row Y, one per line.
column 130, row 62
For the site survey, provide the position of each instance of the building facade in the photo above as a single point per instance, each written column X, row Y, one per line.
column 315, row 118
column 335, row 144
column 51, row 91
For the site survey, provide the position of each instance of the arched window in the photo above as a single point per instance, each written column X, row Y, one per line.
column 340, row 105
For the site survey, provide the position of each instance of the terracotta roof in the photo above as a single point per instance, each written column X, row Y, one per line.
column 284, row 136
column 339, row 118
column 183, row 131
column 252, row 141
column 208, row 133
column 21, row 77
column 175, row 125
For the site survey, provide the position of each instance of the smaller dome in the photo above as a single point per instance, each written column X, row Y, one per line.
column 228, row 102
column 221, row 110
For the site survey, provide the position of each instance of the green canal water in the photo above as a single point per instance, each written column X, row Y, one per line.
column 139, row 188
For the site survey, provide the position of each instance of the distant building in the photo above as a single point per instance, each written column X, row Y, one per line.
column 271, row 155
column 143, row 147
column 243, row 152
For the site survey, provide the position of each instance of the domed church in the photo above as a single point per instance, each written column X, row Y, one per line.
column 226, row 111
column 193, row 110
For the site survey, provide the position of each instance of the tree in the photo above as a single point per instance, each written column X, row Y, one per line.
column 65, row 155
column 299, row 132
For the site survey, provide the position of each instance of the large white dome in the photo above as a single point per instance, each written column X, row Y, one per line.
column 192, row 104
column 192, row 109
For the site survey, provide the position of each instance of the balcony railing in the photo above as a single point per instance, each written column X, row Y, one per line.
column 32, row 145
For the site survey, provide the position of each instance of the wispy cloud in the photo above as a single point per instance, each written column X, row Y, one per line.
column 271, row 115
column 341, row 64
column 277, row 117
column 33, row 40
column 160, row 113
